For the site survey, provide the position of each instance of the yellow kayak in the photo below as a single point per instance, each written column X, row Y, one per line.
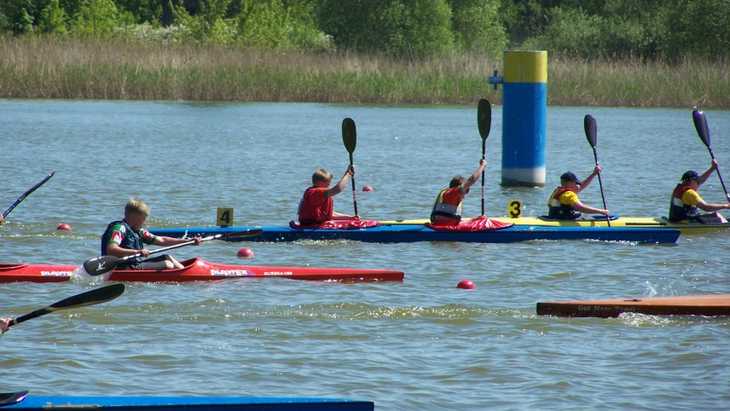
column 653, row 222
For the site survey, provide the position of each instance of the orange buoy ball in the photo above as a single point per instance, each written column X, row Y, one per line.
column 367, row 188
column 245, row 253
column 466, row 285
column 63, row 227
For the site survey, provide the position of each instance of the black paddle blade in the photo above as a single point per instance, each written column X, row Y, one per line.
column 484, row 118
column 589, row 125
column 349, row 134
column 241, row 235
column 12, row 398
column 100, row 265
column 703, row 131
column 96, row 296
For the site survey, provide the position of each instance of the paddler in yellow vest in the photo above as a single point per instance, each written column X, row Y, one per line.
column 564, row 203
column 686, row 200
column 448, row 206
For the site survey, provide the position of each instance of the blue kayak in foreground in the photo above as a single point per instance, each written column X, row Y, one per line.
column 406, row 233
column 43, row 403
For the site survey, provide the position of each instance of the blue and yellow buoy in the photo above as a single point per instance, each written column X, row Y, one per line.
column 524, row 115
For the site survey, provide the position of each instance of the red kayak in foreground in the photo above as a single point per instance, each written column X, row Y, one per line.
column 708, row 305
column 197, row 269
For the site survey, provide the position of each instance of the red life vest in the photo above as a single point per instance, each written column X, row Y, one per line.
column 448, row 204
column 316, row 206
column 678, row 210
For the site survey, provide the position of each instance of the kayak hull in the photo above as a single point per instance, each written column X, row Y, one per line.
column 707, row 305
column 414, row 232
column 44, row 403
column 636, row 222
column 197, row 269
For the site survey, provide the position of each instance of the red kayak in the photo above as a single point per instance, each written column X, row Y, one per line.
column 197, row 269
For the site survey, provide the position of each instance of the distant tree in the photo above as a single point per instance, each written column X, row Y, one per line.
column 53, row 18
column 96, row 18
column 477, row 26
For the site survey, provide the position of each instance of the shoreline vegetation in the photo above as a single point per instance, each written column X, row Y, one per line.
column 49, row 67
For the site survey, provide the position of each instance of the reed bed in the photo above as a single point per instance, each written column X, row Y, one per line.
column 68, row 68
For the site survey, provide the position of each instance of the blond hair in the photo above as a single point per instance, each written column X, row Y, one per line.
column 135, row 205
column 321, row 175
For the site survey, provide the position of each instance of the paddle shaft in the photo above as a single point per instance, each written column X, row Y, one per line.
column 724, row 189
column 600, row 186
column 354, row 197
column 484, row 157
column 26, row 194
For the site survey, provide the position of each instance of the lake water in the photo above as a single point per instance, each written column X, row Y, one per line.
column 419, row 345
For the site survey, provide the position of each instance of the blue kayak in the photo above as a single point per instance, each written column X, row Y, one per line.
column 417, row 232
column 43, row 403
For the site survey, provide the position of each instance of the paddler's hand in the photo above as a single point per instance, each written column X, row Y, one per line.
column 4, row 324
column 198, row 240
column 597, row 170
column 145, row 252
column 482, row 163
column 350, row 171
column 2, row 220
column 713, row 165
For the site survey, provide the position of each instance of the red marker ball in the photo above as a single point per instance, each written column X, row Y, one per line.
column 245, row 253
column 466, row 285
column 367, row 188
column 63, row 227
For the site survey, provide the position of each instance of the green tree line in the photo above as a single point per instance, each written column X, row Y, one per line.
column 652, row 29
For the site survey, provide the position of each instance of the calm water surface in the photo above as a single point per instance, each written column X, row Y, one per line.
column 418, row 345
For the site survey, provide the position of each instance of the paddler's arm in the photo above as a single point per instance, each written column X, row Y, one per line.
column 117, row 251
column 589, row 210
column 583, row 184
column 707, row 175
column 474, row 177
column 342, row 184
column 711, row 206
column 165, row 241
column 4, row 324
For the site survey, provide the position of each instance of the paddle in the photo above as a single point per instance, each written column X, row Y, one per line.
column 349, row 138
column 96, row 296
column 484, row 122
column 11, row 398
column 703, row 131
column 26, row 194
column 589, row 125
column 105, row 263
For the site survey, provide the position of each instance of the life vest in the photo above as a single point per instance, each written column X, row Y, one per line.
column 678, row 210
column 316, row 207
column 131, row 240
column 558, row 210
column 448, row 204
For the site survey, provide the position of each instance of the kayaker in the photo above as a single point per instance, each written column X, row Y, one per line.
column 686, row 201
column 127, row 237
column 448, row 205
column 317, row 204
column 564, row 203
column 4, row 324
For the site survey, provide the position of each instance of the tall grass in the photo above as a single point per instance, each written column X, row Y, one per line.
column 55, row 67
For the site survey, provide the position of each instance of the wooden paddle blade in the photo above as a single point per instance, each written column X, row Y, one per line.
column 100, row 265
column 703, row 130
column 11, row 398
column 484, row 118
column 96, row 296
column 589, row 125
column 349, row 134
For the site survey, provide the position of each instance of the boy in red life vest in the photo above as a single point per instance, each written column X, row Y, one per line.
column 317, row 204
column 564, row 203
column 447, row 208
column 686, row 200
